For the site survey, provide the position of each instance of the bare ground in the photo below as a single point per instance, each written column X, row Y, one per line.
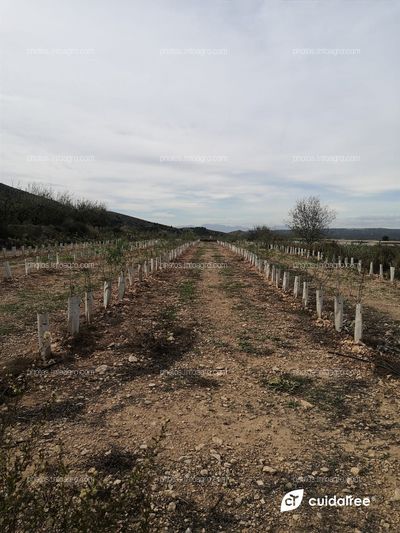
column 257, row 405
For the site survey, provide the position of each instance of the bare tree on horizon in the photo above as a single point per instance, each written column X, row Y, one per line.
column 309, row 219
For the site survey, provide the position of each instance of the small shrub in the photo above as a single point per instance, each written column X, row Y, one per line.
column 39, row 495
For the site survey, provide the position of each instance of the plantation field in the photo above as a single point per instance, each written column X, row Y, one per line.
column 196, row 403
column 380, row 297
column 48, row 285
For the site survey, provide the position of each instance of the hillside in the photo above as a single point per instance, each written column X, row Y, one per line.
column 354, row 234
column 27, row 218
column 351, row 234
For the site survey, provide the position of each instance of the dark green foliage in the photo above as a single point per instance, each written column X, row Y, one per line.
column 38, row 215
column 259, row 233
column 380, row 254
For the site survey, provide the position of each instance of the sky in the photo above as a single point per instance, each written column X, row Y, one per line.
column 187, row 112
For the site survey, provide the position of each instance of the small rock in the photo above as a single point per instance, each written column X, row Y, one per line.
column 306, row 405
column 133, row 359
column 260, row 482
column 396, row 495
column 269, row 470
column 102, row 369
column 171, row 506
column 216, row 456
column 355, row 470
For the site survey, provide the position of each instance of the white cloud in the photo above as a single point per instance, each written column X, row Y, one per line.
column 258, row 106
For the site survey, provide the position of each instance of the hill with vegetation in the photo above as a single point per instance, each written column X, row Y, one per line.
column 38, row 215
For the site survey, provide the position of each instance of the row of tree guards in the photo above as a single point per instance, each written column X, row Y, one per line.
column 279, row 279
column 23, row 251
column 82, row 253
column 142, row 271
column 337, row 262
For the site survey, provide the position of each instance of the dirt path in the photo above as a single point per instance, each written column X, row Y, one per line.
column 257, row 406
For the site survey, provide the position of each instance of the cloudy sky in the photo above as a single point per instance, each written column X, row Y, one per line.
column 212, row 111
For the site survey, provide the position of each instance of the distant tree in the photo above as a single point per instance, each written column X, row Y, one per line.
column 40, row 190
column 385, row 238
column 310, row 220
column 259, row 233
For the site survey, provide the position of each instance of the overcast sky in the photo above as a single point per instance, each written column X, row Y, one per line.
column 207, row 111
